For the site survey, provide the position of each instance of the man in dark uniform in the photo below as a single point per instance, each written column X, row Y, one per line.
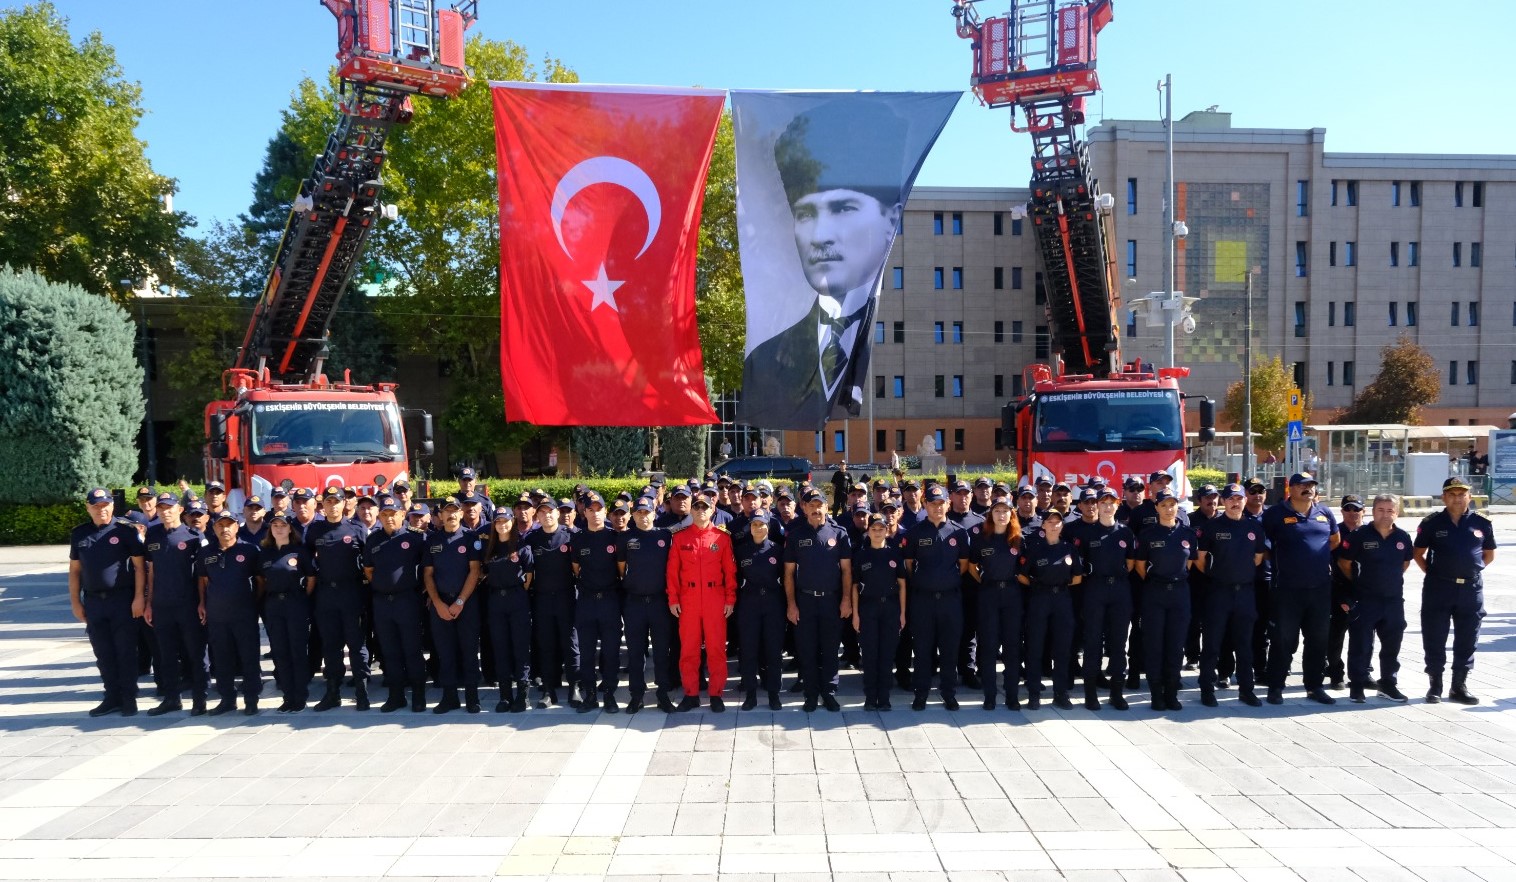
column 817, row 564
column 911, row 511
column 556, row 652
column 1373, row 559
column 107, row 589
column 1351, row 508
column 1131, row 501
column 1106, row 547
column 336, row 545
column 1302, row 534
column 172, row 608
column 597, row 614
column 841, row 481
column 1263, row 581
column 980, row 504
column 1165, row 554
column 1232, row 548
column 960, row 512
column 449, row 575
column 1453, row 547
column 226, row 569
column 1026, row 510
column 936, row 558
column 760, row 612
column 468, row 484
column 642, row 557
column 1207, row 501
column 392, row 557
column 678, row 511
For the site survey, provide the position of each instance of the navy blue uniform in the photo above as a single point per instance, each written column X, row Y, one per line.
column 1376, row 592
column 231, row 617
column 106, row 589
column 508, row 614
column 336, row 549
column 557, row 652
column 968, row 658
column 175, row 602
column 286, row 572
column 1106, row 605
column 760, row 613
column 1051, row 569
column 1002, row 607
column 396, row 560
column 1165, row 602
column 1337, row 620
column 934, row 607
column 1301, row 596
column 1228, row 606
column 1453, row 590
column 878, row 573
column 448, row 557
column 817, row 554
column 647, row 618
column 597, row 613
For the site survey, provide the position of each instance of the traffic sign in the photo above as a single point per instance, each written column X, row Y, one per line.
column 1295, row 432
column 1296, row 411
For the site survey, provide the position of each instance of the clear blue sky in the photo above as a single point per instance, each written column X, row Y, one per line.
column 1380, row 77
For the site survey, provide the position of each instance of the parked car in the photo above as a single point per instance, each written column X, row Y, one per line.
column 782, row 468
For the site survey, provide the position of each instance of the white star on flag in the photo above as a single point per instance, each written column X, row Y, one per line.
column 604, row 290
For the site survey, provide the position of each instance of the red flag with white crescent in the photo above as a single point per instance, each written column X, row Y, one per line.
column 600, row 197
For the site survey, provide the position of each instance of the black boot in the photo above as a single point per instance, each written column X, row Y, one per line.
column 471, row 699
column 1207, row 695
column 165, row 706
column 504, row 704
column 665, row 703
column 609, row 704
column 226, row 706
column 1171, row 694
column 333, row 696
column 774, row 701
column 1460, row 691
column 449, row 701
column 1158, row 695
column 518, row 703
column 1091, row 696
column 360, row 694
column 1434, row 688
column 634, row 702
column 418, row 698
column 750, row 699
column 1118, row 699
column 395, row 701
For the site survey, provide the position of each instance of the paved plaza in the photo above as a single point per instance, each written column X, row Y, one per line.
column 1300, row 791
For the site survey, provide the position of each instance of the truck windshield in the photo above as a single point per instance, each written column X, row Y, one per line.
column 291, row 432
column 1131, row 419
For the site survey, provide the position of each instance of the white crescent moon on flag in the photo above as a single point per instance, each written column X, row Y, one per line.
column 608, row 170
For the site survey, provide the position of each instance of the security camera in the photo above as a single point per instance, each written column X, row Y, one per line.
column 1018, row 212
column 1181, row 229
column 1188, row 324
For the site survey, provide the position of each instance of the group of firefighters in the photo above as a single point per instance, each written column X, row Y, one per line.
column 1009, row 591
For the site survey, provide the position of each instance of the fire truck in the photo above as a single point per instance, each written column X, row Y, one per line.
column 283, row 421
column 1087, row 415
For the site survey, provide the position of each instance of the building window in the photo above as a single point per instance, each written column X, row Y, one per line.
column 1394, row 254
column 1349, row 314
column 999, row 278
column 999, row 223
column 1331, row 373
column 937, row 437
column 1299, row 374
column 897, row 277
column 1300, row 318
column 1457, row 254
column 1334, row 194
column 1331, row 254
column 899, row 331
column 1476, row 254
column 1410, row 313
column 1454, row 321
column 1017, row 386
column 937, row 278
column 1015, row 332
column 999, row 385
column 1302, row 198
column 879, row 441
column 1332, row 314
column 1347, row 373
column 899, row 439
column 879, row 385
column 957, row 278
column 1044, row 342
column 1131, row 258
column 1352, row 194
column 899, row 386
column 1000, row 332
column 1413, row 254
column 1395, row 193
column 936, row 223
column 937, row 332
column 1015, row 278
column 957, row 439
column 878, row 332
column 1301, row 255
column 957, row 385
column 1040, row 289
column 1015, row 226
column 939, row 386
column 839, row 442
column 1452, row 373
column 1471, row 373
column 1457, row 203
column 1350, row 254
column 900, row 224
column 1478, row 194
column 1131, row 323
column 1415, row 194
column 819, row 442
column 958, row 223
column 1131, row 195
column 999, row 441
column 1394, row 314
column 958, row 332
column 1473, row 315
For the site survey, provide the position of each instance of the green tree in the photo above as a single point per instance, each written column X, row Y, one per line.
column 609, row 451
column 1407, row 381
column 72, row 389
column 684, row 449
column 719, row 308
column 1272, row 383
column 81, row 204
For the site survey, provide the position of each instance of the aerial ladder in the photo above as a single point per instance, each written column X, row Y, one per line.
column 1039, row 60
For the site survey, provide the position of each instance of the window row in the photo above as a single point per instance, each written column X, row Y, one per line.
column 882, row 437
column 1402, row 193
column 940, row 332
column 944, row 223
column 944, row 386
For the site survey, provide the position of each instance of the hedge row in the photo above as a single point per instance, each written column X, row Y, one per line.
column 40, row 524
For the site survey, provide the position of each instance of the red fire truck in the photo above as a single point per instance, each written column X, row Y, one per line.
column 1087, row 415
column 283, row 421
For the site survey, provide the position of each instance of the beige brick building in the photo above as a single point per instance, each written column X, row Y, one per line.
column 1350, row 251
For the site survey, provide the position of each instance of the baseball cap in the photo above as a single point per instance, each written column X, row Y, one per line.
column 643, row 504
column 196, row 507
column 566, row 504
column 471, row 499
column 1456, row 483
column 450, row 502
column 700, row 501
column 1207, row 490
column 138, row 517
column 1351, row 503
column 227, row 514
column 1252, row 484
column 999, row 501
column 1232, row 491
column 591, row 497
column 889, row 503
column 281, row 517
column 1302, row 478
column 1062, row 486
column 400, row 486
column 936, row 493
column 167, row 498
column 1025, row 490
column 278, row 493
column 1131, row 484
column 1088, row 494
column 983, row 481
column 1163, row 495
column 466, row 474
column 909, row 484
column 145, row 492
column 419, row 508
column 97, row 496
column 1160, row 476
column 961, row 487
column 504, row 513
column 784, row 493
column 1105, row 492
column 332, row 493
column 215, row 485
column 389, row 503
column 812, row 495
column 302, row 494
column 253, row 502
column 1044, row 481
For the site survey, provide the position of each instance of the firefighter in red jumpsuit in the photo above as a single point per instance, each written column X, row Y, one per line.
column 702, row 586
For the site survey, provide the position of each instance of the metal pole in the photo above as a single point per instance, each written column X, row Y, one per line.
column 1247, row 379
column 147, row 394
column 872, row 451
column 1171, row 313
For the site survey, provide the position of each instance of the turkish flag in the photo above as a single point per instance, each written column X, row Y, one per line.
column 600, row 194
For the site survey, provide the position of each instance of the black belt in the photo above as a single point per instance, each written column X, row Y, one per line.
column 597, row 595
column 1458, row 580
column 1236, row 586
column 882, row 598
column 1165, row 583
column 760, row 592
column 396, row 595
column 1109, row 579
column 280, row 595
column 810, row 593
column 647, row 598
column 502, row 592
column 1051, row 589
column 106, row 595
column 1001, row 583
column 938, row 595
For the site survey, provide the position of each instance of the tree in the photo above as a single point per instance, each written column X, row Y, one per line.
column 72, row 389
column 79, row 202
column 719, row 308
column 684, row 449
column 1272, row 383
column 609, row 451
column 1407, row 381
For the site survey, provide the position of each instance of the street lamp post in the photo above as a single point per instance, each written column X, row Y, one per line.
column 1247, row 379
column 1168, row 213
